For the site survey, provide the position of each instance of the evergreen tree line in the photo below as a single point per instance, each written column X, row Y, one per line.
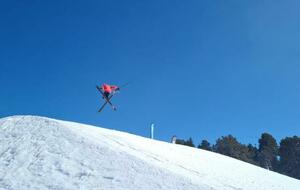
column 283, row 158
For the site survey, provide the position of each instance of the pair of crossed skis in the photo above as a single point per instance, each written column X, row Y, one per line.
column 107, row 100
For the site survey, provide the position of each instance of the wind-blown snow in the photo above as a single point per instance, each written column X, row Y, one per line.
column 41, row 153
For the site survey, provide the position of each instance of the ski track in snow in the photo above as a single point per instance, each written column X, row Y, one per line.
column 41, row 153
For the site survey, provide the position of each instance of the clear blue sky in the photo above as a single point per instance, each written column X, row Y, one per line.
column 199, row 69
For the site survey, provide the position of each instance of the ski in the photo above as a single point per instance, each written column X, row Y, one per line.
column 105, row 104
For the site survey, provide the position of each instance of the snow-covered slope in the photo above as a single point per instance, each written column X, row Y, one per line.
column 41, row 153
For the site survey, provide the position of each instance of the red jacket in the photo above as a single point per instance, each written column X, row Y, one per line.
column 109, row 88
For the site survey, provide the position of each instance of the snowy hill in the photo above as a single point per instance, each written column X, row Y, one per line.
column 41, row 153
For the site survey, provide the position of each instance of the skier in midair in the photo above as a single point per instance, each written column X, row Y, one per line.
column 107, row 92
column 109, row 89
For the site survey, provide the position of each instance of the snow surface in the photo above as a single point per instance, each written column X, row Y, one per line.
column 42, row 153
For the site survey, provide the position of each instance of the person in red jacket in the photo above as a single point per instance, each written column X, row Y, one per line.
column 109, row 89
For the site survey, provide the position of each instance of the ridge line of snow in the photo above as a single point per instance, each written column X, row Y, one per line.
column 85, row 156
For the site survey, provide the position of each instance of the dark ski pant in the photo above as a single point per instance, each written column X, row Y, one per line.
column 106, row 94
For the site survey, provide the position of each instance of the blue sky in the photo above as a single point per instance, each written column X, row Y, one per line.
column 200, row 69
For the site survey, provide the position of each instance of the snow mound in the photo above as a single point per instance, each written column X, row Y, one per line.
column 42, row 153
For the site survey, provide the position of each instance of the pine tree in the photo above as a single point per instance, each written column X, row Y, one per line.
column 267, row 152
column 289, row 153
column 189, row 142
column 180, row 141
column 205, row 145
column 252, row 154
column 229, row 146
